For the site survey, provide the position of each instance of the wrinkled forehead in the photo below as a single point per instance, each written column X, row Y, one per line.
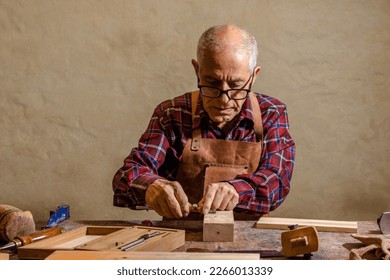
column 225, row 45
column 225, row 60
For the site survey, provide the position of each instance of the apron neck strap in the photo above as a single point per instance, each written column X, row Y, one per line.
column 196, row 133
column 257, row 119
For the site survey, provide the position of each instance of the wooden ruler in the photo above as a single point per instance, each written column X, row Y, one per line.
column 321, row 225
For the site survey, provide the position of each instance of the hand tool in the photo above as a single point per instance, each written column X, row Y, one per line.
column 36, row 236
column 193, row 208
column 139, row 241
column 197, row 209
column 14, row 222
column 298, row 241
column 60, row 214
column 384, row 223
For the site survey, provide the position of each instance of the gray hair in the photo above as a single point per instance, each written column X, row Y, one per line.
column 210, row 40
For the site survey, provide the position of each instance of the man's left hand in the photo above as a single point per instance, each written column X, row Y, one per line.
column 218, row 196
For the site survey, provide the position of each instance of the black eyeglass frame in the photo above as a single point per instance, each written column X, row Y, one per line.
column 227, row 91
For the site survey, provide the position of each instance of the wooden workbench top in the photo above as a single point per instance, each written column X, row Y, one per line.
column 333, row 245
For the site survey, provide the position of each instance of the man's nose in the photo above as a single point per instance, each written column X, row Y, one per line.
column 224, row 97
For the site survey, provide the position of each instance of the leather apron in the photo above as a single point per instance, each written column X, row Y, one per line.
column 205, row 161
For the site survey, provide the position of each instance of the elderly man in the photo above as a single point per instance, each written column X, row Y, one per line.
column 222, row 146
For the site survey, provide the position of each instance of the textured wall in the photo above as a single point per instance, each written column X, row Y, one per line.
column 80, row 79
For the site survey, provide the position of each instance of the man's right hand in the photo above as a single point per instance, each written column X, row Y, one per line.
column 168, row 199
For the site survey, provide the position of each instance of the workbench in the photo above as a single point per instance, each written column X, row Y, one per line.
column 333, row 245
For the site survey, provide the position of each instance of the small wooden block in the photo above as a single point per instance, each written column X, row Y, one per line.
column 218, row 226
column 4, row 256
column 321, row 225
column 137, row 255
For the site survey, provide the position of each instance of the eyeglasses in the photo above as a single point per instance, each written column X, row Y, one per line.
column 233, row 93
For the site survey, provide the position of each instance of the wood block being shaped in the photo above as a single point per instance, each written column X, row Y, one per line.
column 218, row 226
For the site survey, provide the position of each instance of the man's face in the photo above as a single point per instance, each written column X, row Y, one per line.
column 226, row 70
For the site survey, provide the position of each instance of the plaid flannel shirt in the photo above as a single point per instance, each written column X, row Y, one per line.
column 160, row 150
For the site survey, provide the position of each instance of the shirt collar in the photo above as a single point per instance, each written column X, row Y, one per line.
column 201, row 115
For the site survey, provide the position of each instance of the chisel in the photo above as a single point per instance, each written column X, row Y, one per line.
column 139, row 241
column 36, row 236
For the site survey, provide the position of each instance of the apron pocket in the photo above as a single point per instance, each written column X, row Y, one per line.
column 215, row 172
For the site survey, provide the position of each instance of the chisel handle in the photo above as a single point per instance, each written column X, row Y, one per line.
column 38, row 235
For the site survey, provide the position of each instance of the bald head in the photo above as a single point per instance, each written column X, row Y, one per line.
column 226, row 38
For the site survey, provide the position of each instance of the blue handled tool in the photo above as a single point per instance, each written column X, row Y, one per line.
column 60, row 214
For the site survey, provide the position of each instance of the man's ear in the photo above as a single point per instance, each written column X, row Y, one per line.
column 196, row 67
column 256, row 72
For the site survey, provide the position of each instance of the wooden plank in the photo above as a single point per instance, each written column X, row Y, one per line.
column 103, row 238
column 218, row 226
column 118, row 255
column 4, row 256
column 321, row 225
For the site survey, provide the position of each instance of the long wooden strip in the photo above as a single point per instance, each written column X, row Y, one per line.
column 136, row 255
column 321, row 225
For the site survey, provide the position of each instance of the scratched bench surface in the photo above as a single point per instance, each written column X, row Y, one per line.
column 333, row 245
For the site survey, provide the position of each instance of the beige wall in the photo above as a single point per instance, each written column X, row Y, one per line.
column 80, row 79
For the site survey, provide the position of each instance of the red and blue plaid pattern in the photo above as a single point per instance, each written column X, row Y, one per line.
column 160, row 150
